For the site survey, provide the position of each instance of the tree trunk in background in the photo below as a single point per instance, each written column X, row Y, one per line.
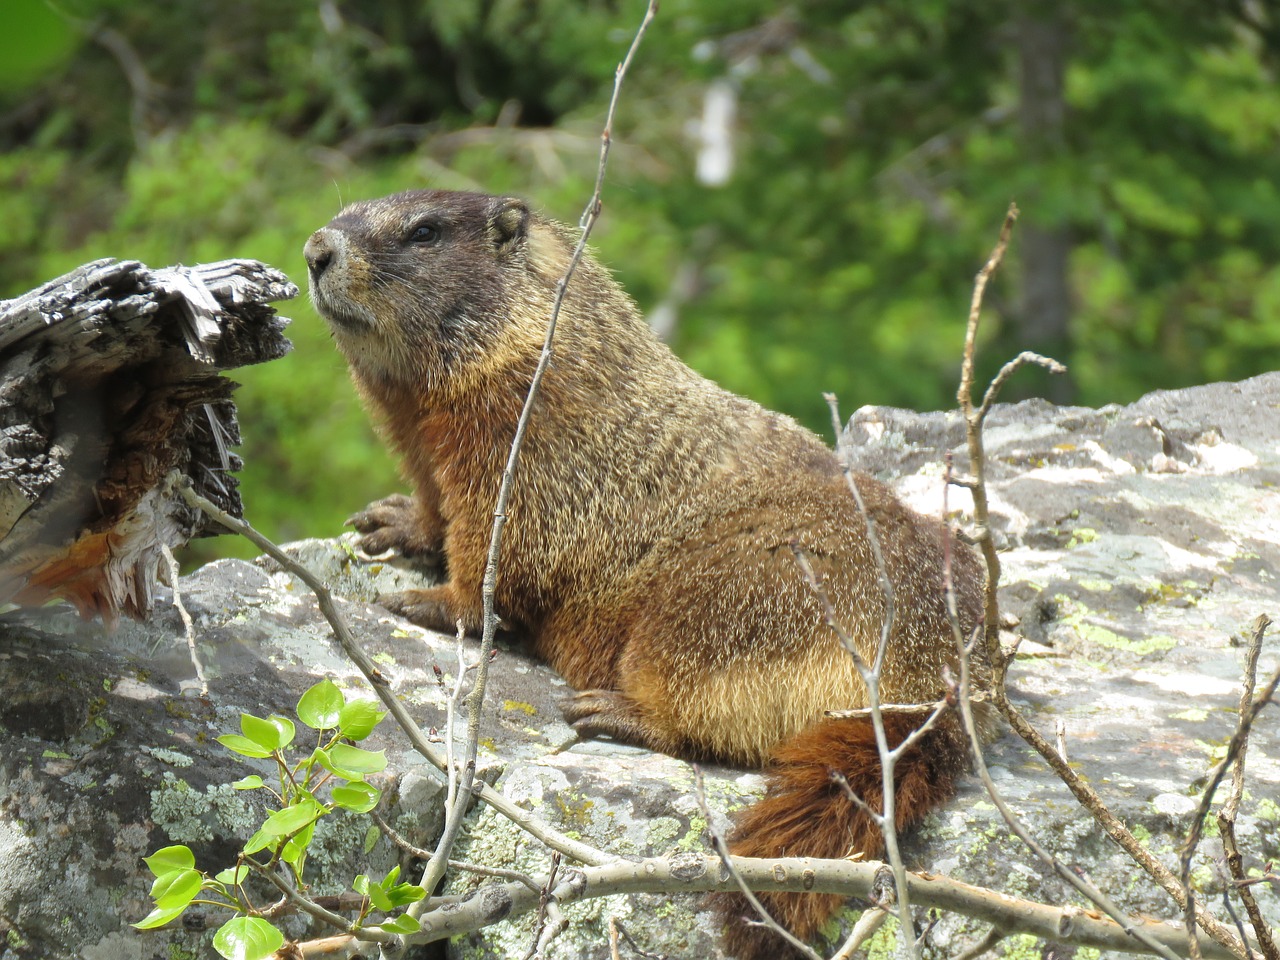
column 1044, row 314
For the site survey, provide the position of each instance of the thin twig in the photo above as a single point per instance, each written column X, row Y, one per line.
column 1088, row 890
column 868, row 924
column 475, row 702
column 1008, row 370
column 550, row 923
column 188, row 628
column 986, row 944
column 999, row 663
column 308, row 906
column 1248, row 710
column 584, row 853
column 888, row 821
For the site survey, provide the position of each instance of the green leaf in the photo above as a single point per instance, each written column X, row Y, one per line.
column 292, row 818
column 257, row 842
column 361, row 885
column 358, row 797
column 243, row 746
column 248, row 783
column 296, row 848
column 233, row 875
column 371, row 838
column 247, row 938
column 176, row 888
column 274, row 733
column 401, row 924
column 158, row 918
column 378, row 897
column 168, row 859
column 358, row 718
column 321, row 706
column 405, row 893
column 352, row 763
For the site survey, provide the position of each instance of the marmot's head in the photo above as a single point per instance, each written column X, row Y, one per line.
column 429, row 285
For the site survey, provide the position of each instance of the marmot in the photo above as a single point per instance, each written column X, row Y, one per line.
column 648, row 555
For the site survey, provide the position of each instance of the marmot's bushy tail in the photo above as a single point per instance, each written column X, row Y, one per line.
column 805, row 814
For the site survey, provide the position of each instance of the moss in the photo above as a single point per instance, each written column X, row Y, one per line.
column 1082, row 535
column 884, row 944
column 526, row 708
column 1022, row 946
column 1076, row 615
column 1267, row 809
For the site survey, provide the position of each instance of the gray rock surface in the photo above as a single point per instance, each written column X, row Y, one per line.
column 1138, row 544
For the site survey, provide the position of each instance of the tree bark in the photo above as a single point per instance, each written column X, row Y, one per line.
column 110, row 381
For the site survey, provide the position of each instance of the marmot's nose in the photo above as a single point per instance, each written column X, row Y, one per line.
column 318, row 253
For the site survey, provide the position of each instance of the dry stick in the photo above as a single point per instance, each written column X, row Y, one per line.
column 886, row 819
column 994, row 936
column 434, row 869
column 730, row 868
column 1236, row 749
column 1087, row 889
column 579, row 851
column 1084, row 793
column 188, row 628
column 868, row 924
column 550, row 923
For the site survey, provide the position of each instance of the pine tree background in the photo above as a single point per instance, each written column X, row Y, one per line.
column 874, row 149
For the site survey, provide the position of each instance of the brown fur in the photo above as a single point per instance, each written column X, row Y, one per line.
column 648, row 549
column 805, row 812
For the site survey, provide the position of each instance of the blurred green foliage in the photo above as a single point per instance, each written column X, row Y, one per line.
column 876, row 146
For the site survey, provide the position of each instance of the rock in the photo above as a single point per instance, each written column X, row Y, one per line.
column 1138, row 544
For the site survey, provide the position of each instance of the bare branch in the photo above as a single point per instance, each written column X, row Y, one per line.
column 1234, row 759
column 965, row 394
column 475, row 702
column 1083, row 792
column 1088, row 890
column 1008, row 370
column 310, row 907
column 703, row 873
column 584, row 853
column 188, row 628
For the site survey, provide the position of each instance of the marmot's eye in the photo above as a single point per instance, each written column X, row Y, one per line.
column 424, row 233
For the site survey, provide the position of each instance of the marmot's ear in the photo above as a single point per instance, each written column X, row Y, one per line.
column 508, row 223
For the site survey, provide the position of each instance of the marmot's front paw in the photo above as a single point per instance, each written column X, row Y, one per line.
column 436, row 609
column 426, row 608
column 608, row 713
column 393, row 523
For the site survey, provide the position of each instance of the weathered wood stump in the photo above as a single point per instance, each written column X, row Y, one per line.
column 110, row 385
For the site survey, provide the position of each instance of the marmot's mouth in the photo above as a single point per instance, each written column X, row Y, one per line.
column 342, row 313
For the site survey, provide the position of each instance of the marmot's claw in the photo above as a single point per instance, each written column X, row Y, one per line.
column 606, row 713
column 392, row 524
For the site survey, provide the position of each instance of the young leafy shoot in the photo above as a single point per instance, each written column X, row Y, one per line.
column 287, row 833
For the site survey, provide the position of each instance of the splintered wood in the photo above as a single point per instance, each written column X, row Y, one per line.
column 110, row 385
